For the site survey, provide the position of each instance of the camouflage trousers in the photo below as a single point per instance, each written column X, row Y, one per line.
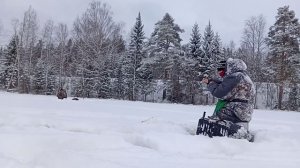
column 236, row 112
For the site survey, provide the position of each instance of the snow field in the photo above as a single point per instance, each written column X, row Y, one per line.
column 44, row 132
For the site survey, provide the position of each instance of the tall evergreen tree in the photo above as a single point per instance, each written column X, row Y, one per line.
column 217, row 49
column 10, row 64
column 192, row 65
column 283, row 40
column 103, row 85
column 146, row 77
column 39, row 81
column 51, row 83
column 208, row 47
column 164, row 49
column 118, row 84
column 134, row 58
column 164, row 46
column 195, row 50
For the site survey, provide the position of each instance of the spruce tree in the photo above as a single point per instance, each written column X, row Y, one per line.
column 118, row 84
column 195, row 44
column 39, row 81
column 134, row 58
column 51, row 83
column 102, row 83
column 192, row 66
column 146, row 77
column 90, row 80
column 10, row 64
column 217, row 49
column 208, row 48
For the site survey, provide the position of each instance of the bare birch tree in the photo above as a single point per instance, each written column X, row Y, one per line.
column 28, row 34
column 97, row 34
column 47, row 37
column 253, row 45
column 253, row 48
column 61, row 37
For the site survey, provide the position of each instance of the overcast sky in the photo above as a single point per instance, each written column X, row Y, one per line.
column 227, row 16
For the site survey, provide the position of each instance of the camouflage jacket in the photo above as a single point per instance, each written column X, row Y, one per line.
column 236, row 88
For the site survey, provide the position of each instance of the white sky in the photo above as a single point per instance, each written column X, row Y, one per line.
column 227, row 16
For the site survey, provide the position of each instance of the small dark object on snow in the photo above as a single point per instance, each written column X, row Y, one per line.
column 75, row 98
column 210, row 127
column 61, row 94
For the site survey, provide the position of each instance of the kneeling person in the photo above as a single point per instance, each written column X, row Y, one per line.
column 237, row 91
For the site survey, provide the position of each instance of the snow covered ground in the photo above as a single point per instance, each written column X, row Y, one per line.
column 44, row 132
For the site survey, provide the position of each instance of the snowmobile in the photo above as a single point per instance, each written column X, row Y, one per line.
column 212, row 126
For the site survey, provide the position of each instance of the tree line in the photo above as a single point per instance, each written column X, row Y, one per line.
column 95, row 61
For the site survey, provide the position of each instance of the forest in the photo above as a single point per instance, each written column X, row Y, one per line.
column 93, row 59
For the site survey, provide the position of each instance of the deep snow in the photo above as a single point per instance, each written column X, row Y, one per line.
column 44, row 132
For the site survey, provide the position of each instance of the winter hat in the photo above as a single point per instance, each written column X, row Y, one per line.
column 235, row 65
column 221, row 65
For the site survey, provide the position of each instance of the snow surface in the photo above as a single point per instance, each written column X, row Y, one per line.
column 44, row 132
